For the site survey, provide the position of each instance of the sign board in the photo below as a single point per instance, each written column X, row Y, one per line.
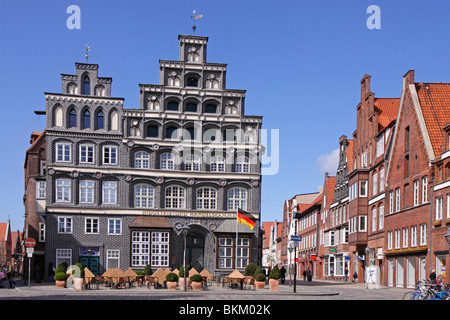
column 30, row 250
column 29, row 254
column 333, row 250
column 30, row 243
column 313, row 257
column 296, row 238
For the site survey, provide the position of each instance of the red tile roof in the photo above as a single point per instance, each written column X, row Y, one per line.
column 434, row 101
column 388, row 110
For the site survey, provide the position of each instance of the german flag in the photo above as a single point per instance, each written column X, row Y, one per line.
column 244, row 218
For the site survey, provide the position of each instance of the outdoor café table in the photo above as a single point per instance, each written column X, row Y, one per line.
column 237, row 278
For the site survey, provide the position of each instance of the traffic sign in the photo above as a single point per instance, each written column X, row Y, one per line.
column 296, row 238
column 30, row 243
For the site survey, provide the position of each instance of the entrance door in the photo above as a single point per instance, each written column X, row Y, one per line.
column 400, row 273
column 390, row 273
column 411, row 272
column 92, row 263
column 195, row 250
column 422, row 268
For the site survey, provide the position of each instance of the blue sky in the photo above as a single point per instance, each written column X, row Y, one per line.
column 300, row 61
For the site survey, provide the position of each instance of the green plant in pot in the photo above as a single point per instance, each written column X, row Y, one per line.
column 147, row 273
column 196, row 281
column 274, row 277
column 260, row 278
column 78, row 276
column 171, row 280
column 60, row 279
column 250, row 269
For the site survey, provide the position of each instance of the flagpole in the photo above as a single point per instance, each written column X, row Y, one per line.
column 237, row 225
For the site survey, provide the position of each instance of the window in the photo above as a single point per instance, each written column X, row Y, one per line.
column 210, row 108
column 406, row 139
column 225, row 252
column 144, row 196
column 171, row 133
column 439, row 208
column 91, row 226
column 100, row 120
column 448, row 205
column 86, row 191
column 40, row 189
column 242, row 252
column 192, row 162
column 167, row 161
column 141, row 160
column 353, row 192
column 64, row 224
column 86, row 86
column 389, row 240
column 140, row 248
column 191, row 107
column 114, row 226
column 152, row 131
column 414, row 236
column 374, row 219
column 242, row 164
column 86, row 153
column 175, row 197
column 397, row 200
column 41, row 232
column 405, row 237
column 363, row 189
column 397, row 239
column 72, row 118
column 63, row 152
column 423, row 234
column 416, row 192
column 112, row 259
column 206, row 198
column 109, row 155
column 160, row 249
column 86, row 119
column 391, row 201
column 64, row 255
column 362, row 223
column 237, row 198
column 381, row 179
column 173, row 106
column 192, row 82
column 374, row 183
column 381, row 217
column 109, row 192
column 63, row 190
column 217, row 164
column 424, row 189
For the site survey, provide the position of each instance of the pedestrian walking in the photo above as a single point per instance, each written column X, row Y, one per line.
column 9, row 272
column 346, row 274
column 309, row 275
column 283, row 274
column 355, row 277
column 433, row 276
column 304, row 275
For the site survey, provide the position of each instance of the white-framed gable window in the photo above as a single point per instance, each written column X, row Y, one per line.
column 63, row 188
column 65, row 225
column 63, row 152
column 109, row 192
column 86, row 191
column 86, row 153
column 110, row 155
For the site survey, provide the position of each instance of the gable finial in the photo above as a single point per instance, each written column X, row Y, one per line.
column 88, row 48
column 195, row 17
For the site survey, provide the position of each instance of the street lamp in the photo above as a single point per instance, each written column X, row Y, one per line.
column 447, row 237
column 184, row 229
column 290, row 248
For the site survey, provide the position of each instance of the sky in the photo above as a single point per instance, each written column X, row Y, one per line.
column 300, row 63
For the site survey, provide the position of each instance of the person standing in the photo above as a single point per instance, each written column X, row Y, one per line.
column 283, row 274
column 304, row 275
column 9, row 274
column 51, row 272
column 346, row 274
column 309, row 275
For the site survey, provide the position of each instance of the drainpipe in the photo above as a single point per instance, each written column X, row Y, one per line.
column 431, row 219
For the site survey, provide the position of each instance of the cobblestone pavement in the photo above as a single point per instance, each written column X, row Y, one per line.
column 315, row 290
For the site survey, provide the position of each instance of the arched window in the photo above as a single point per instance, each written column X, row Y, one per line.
column 72, row 118
column 114, row 120
column 86, row 86
column 210, row 108
column 191, row 107
column 141, row 160
column 152, row 131
column 144, row 196
column 217, row 164
column 167, row 161
column 237, row 198
column 206, row 198
column 86, row 119
column 175, row 197
column 192, row 162
column 242, row 164
column 172, row 105
column 171, row 133
column 58, row 117
column 100, row 120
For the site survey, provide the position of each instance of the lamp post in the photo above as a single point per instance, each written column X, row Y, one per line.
column 290, row 248
column 184, row 229
column 447, row 237
column 367, row 250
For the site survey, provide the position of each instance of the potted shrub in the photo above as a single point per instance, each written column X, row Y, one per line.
column 60, row 279
column 250, row 270
column 171, row 279
column 260, row 280
column 196, row 281
column 274, row 277
column 78, row 276
column 140, row 276
column 181, row 277
column 147, row 273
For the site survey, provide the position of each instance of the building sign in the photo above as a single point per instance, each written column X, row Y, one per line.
column 313, row 257
column 333, row 250
column 190, row 214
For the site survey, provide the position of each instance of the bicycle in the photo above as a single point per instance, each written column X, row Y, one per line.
column 418, row 293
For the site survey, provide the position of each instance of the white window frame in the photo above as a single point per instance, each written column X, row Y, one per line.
column 91, row 225
column 416, row 192
column 381, row 217
column 140, row 248
column 397, row 239
column 167, row 161
column 66, row 152
column 448, row 205
column 242, row 164
column 89, row 157
column 159, row 249
column 65, row 225
column 225, row 252
column 391, row 201
column 109, row 192
column 40, row 189
column 64, row 254
column 424, row 189
column 389, row 240
column 237, row 198
column 63, row 190
column 114, row 224
column 175, row 197
column 363, row 188
column 217, row 164
column 206, row 198
column 362, row 225
column 110, row 155
column 374, row 183
column 112, row 254
column 414, row 236
column 144, row 196
column 374, row 218
column 142, row 160
column 192, row 162
column 382, row 179
column 397, row 199
column 405, row 237
column 423, row 234
column 439, row 207
column 86, row 191
column 243, row 252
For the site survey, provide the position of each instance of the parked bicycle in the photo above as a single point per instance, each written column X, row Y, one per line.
column 429, row 290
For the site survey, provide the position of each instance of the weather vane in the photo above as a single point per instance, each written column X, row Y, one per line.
column 195, row 17
column 88, row 48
